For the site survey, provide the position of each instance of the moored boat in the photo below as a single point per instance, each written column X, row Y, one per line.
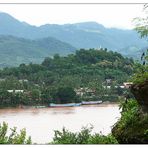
column 91, row 102
column 40, row 106
column 64, row 105
column 78, row 104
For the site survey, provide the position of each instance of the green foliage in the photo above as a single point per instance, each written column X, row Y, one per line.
column 14, row 137
column 133, row 124
column 82, row 137
column 101, row 139
column 64, row 137
column 141, row 74
column 58, row 77
column 64, row 95
column 129, row 112
column 146, row 133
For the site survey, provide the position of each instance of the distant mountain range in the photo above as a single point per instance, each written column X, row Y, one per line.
column 14, row 50
column 71, row 36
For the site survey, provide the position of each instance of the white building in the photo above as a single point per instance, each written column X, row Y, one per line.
column 15, row 91
column 127, row 84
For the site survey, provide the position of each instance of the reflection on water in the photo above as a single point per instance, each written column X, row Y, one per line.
column 63, row 110
column 40, row 123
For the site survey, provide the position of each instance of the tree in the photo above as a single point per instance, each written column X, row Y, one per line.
column 64, row 94
column 142, row 23
column 55, row 79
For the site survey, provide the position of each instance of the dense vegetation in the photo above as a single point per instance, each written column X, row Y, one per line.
column 59, row 79
column 82, row 137
column 140, row 73
column 132, row 128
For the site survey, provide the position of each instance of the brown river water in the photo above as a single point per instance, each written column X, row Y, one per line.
column 40, row 123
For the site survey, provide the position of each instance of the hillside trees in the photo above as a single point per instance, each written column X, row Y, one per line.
column 85, row 69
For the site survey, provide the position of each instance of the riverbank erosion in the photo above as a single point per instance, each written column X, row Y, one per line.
column 132, row 128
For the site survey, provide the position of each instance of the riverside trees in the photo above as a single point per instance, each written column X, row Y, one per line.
column 84, row 69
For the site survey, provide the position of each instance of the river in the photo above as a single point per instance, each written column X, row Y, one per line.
column 40, row 123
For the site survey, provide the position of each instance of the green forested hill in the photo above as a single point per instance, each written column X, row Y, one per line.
column 59, row 76
column 14, row 50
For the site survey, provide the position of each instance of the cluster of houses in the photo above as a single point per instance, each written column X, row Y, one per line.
column 82, row 91
column 85, row 90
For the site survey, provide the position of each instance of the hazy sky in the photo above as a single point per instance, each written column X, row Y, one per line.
column 110, row 15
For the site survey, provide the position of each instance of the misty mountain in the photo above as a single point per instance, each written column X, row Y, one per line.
column 79, row 35
column 14, row 50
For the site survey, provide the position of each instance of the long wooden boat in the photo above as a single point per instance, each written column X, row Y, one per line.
column 40, row 106
column 91, row 102
column 64, row 105
column 78, row 104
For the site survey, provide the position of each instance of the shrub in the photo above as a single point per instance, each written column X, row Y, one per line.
column 129, row 112
column 141, row 74
column 101, row 139
column 132, row 126
column 82, row 137
column 14, row 137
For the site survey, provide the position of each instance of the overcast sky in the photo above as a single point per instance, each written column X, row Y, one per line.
column 110, row 15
